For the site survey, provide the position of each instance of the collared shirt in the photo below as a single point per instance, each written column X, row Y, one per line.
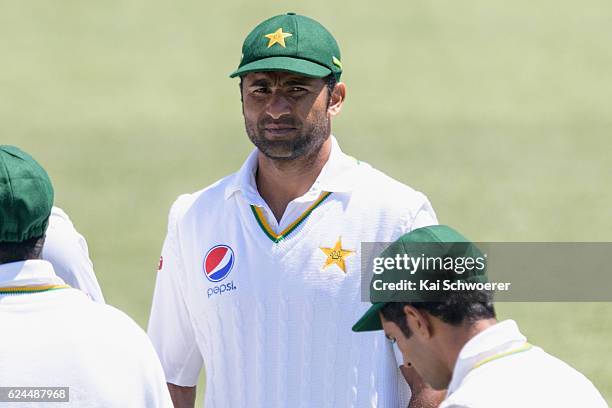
column 335, row 177
column 498, row 368
column 268, row 307
column 28, row 274
column 55, row 336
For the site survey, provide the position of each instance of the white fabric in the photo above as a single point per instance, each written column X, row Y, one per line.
column 27, row 274
column 282, row 337
column 67, row 250
column 61, row 338
column 531, row 378
column 399, row 358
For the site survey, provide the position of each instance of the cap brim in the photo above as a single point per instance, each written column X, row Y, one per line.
column 285, row 64
column 370, row 321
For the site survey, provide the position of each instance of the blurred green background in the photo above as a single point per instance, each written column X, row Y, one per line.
column 499, row 111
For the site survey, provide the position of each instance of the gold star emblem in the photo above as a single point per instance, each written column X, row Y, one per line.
column 277, row 37
column 336, row 255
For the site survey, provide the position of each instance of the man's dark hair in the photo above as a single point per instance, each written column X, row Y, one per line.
column 21, row 251
column 459, row 307
column 330, row 82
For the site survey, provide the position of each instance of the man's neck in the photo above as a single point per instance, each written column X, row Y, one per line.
column 11, row 259
column 279, row 182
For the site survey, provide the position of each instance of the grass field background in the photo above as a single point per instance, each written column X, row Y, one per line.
column 501, row 112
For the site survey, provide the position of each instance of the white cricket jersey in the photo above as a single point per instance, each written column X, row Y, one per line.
column 67, row 250
column 268, row 307
column 55, row 336
column 498, row 368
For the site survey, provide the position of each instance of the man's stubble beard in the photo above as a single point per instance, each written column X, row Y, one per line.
column 305, row 145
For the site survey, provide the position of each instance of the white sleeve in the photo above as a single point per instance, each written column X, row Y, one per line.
column 418, row 215
column 399, row 358
column 67, row 251
column 424, row 216
column 170, row 327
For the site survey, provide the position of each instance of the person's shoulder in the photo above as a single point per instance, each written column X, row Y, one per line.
column 484, row 393
column 90, row 315
column 57, row 212
column 58, row 219
column 532, row 378
column 389, row 192
column 458, row 402
column 374, row 179
column 107, row 333
column 214, row 193
column 565, row 376
column 108, row 317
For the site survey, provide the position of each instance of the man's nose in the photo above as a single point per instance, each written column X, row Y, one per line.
column 278, row 106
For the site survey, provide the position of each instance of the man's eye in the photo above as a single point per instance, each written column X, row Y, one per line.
column 391, row 339
column 261, row 90
column 297, row 89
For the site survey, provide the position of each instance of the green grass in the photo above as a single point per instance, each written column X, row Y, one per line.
column 500, row 112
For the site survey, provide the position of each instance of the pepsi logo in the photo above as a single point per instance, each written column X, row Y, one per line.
column 218, row 262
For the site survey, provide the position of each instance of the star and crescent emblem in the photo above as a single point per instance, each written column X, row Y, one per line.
column 336, row 255
column 277, row 37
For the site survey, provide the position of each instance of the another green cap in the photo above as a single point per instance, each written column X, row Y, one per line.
column 290, row 43
column 433, row 242
column 26, row 196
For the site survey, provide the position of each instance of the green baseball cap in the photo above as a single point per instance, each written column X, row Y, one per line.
column 436, row 242
column 26, row 196
column 291, row 43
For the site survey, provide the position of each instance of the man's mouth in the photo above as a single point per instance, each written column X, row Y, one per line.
column 279, row 129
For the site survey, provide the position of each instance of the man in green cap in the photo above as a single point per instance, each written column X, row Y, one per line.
column 54, row 335
column 260, row 272
column 451, row 336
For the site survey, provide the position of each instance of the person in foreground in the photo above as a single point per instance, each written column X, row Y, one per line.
column 51, row 334
column 260, row 272
column 454, row 341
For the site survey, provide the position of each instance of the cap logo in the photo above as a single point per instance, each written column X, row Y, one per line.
column 337, row 62
column 277, row 37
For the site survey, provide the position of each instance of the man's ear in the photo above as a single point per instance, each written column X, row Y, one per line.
column 336, row 99
column 418, row 322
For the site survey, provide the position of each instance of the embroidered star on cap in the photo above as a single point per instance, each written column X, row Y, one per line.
column 277, row 37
